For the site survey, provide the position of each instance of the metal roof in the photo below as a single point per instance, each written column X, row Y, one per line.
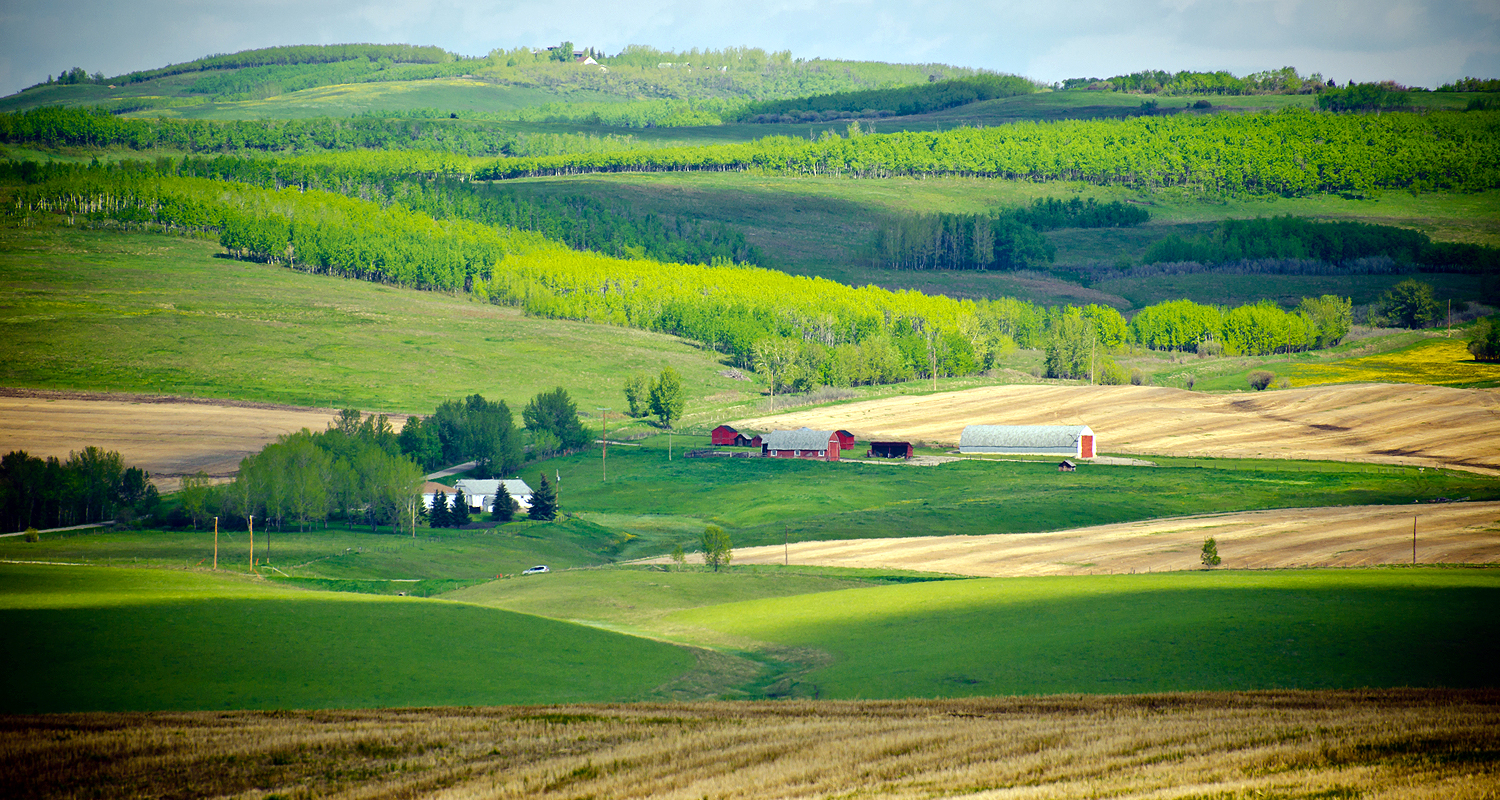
column 800, row 439
column 477, row 488
column 1025, row 436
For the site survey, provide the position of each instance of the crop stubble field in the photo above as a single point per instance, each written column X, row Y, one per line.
column 1345, row 536
column 1387, row 744
column 1428, row 426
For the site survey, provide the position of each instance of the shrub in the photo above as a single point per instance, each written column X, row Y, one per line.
column 1192, row 380
column 1138, row 378
column 1112, row 374
column 1209, row 348
column 1211, row 553
column 1260, row 379
column 32, row 535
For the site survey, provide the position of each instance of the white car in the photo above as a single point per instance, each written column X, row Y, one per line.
column 537, row 570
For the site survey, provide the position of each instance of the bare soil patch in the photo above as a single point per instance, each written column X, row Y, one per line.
column 1345, row 536
column 168, row 437
column 1387, row 423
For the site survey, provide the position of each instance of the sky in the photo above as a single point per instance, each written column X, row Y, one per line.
column 1415, row 43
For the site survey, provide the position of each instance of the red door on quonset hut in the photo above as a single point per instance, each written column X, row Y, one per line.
column 1087, row 448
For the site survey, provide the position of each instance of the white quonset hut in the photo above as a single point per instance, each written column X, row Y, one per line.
column 1073, row 441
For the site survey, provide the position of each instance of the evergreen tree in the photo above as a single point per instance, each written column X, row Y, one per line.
column 505, row 507
column 438, row 516
column 458, row 516
column 543, row 501
column 637, row 393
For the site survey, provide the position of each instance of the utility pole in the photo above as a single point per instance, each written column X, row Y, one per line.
column 604, row 452
column 250, row 520
column 669, row 444
column 786, row 547
column 1414, row 539
column 216, row 544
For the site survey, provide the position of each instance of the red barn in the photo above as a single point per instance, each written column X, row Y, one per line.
column 846, row 440
column 724, row 435
column 801, row 443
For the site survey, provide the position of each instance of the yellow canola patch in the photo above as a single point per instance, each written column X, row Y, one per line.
column 1437, row 362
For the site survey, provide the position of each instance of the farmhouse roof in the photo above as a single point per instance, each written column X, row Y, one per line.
column 475, row 488
column 432, row 487
column 800, row 439
column 1022, row 435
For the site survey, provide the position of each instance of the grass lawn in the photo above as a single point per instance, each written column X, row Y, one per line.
column 1133, row 633
column 128, row 312
column 102, row 639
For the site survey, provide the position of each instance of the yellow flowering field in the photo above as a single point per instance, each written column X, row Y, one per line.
column 1436, row 362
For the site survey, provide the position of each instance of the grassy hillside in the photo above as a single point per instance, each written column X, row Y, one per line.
column 1133, row 633
column 815, row 225
column 151, row 313
column 94, row 639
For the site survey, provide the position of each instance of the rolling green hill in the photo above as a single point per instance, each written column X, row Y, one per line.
column 163, row 314
column 101, row 639
column 1132, row 633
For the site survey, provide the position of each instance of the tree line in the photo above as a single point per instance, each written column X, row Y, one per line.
column 90, row 485
column 1003, row 240
column 1188, row 82
column 846, row 334
column 902, row 100
column 1333, row 242
column 1292, row 152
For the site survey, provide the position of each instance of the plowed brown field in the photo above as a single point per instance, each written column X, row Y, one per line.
column 1388, row 423
column 168, row 437
column 1347, row 536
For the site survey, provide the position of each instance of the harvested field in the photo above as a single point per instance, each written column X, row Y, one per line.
column 1385, row 423
column 1347, row 536
column 1289, row 744
column 166, row 436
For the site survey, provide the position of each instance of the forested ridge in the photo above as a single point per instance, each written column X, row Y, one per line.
column 998, row 240
column 1333, row 242
column 1289, row 153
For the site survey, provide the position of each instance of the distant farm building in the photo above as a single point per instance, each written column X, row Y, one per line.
column 725, row 436
column 801, row 443
column 481, row 494
column 1076, row 441
column 889, row 450
column 1067, row 466
column 846, row 440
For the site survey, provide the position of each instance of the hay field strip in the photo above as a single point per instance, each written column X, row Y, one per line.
column 1398, row 744
column 168, row 437
column 1349, row 536
column 1428, row 426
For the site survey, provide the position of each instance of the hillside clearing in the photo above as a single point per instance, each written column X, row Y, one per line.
column 1350, row 536
column 1430, row 426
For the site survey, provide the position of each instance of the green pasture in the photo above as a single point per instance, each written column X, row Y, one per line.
column 338, row 553
column 1214, row 631
column 660, row 502
column 456, row 95
column 102, row 639
column 638, row 599
column 149, row 313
